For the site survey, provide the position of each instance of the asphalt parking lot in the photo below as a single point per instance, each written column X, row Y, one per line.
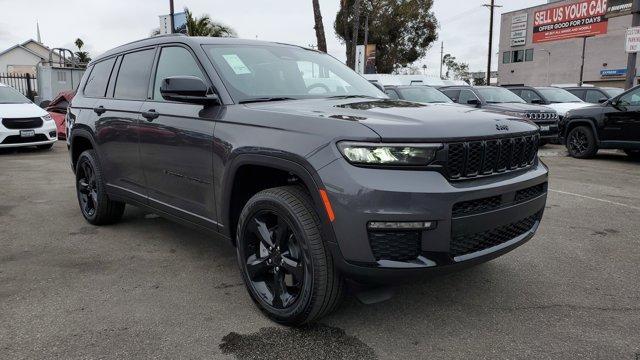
column 148, row 288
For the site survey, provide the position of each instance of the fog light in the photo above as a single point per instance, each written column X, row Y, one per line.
column 52, row 134
column 402, row 225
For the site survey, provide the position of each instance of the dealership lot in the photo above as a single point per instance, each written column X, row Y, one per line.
column 150, row 288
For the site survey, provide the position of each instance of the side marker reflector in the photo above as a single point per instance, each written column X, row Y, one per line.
column 327, row 205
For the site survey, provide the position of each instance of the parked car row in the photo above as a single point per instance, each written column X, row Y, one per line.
column 584, row 119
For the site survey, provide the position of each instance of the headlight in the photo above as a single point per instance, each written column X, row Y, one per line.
column 517, row 114
column 47, row 118
column 389, row 154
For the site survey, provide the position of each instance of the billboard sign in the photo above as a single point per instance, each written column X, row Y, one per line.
column 613, row 73
column 619, row 8
column 519, row 30
column 633, row 40
column 580, row 19
column 518, row 42
column 522, row 18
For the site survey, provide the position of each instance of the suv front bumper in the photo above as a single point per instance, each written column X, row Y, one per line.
column 43, row 135
column 492, row 217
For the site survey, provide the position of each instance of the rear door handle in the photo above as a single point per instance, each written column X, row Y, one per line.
column 150, row 115
column 99, row 110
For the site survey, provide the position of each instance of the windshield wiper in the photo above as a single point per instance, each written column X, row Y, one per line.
column 266, row 99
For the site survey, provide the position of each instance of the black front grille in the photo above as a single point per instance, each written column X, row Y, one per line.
column 472, row 159
column 530, row 193
column 463, row 243
column 17, row 139
column 395, row 245
column 22, row 123
column 476, row 206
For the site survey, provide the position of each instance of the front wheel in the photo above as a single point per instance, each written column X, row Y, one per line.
column 94, row 202
column 285, row 265
column 581, row 143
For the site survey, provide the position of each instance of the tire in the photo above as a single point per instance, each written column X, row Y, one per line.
column 95, row 205
column 45, row 147
column 634, row 154
column 581, row 143
column 284, row 219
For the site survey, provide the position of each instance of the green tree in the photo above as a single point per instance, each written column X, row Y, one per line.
column 204, row 26
column 81, row 56
column 403, row 30
column 455, row 69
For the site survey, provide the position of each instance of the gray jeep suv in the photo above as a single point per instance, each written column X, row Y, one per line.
column 312, row 173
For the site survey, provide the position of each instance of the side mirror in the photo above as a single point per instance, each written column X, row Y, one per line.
column 187, row 89
column 537, row 101
column 474, row 102
column 602, row 101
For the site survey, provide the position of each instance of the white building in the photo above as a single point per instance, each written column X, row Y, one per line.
column 24, row 58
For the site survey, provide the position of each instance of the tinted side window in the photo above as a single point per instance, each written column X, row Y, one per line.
column 529, row 96
column 99, row 78
column 175, row 61
column 594, row 96
column 579, row 93
column 452, row 94
column 133, row 77
column 392, row 94
column 631, row 98
column 466, row 95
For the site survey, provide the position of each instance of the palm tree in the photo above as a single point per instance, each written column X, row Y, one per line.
column 82, row 56
column 319, row 27
column 204, row 26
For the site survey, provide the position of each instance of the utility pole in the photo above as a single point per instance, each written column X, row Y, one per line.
column 632, row 57
column 173, row 26
column 441, row 58
column 584, row 48
column 491, row 7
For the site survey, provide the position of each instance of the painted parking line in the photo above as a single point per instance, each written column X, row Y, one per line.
column 596, row 199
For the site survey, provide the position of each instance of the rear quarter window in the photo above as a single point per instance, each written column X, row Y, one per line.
column 99, row 78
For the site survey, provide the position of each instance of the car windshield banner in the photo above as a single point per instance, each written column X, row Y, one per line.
column 580, row 19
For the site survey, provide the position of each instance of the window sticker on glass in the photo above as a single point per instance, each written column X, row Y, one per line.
column 236, row 64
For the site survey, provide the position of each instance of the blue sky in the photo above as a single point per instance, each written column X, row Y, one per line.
column 106, row 24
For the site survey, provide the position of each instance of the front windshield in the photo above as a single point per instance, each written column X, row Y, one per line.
column 263, row 71
column 10, row 96
column 424, row 94
column 496, row 95
column 559, row 96
column 613, row 92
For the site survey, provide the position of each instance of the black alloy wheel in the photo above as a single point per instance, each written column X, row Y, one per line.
column 274, row 262
column 581, row 143
column 96, row 206
column 286, row 266
column 87, row 189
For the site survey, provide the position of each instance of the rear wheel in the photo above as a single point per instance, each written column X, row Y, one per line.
column 634, row 154
column 581, row 143
column 95, row 205
column 287, row 270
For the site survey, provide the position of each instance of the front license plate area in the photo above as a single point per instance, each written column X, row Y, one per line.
column 27, row 133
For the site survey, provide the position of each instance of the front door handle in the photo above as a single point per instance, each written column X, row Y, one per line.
column 150, row 115
column 99, row 110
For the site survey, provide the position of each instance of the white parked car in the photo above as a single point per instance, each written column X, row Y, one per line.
column 555, row 98
column 22, row 123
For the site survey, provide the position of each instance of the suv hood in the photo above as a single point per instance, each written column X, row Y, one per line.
column 402, row 120
column 563, row 108
column 516, row 107
column 21, row 111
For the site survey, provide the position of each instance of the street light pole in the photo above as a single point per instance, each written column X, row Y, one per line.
column 171, row 11
column 584, row 47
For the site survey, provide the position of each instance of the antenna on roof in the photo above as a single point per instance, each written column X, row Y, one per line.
column 38, row 29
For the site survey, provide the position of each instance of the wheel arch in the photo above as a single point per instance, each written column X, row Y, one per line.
column 571, row 124
column 81, row 139
column 302, row 170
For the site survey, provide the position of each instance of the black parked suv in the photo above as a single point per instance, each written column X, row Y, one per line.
column 594, row 95
column 310, row 171
column 615, row 124
column 506, row 102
